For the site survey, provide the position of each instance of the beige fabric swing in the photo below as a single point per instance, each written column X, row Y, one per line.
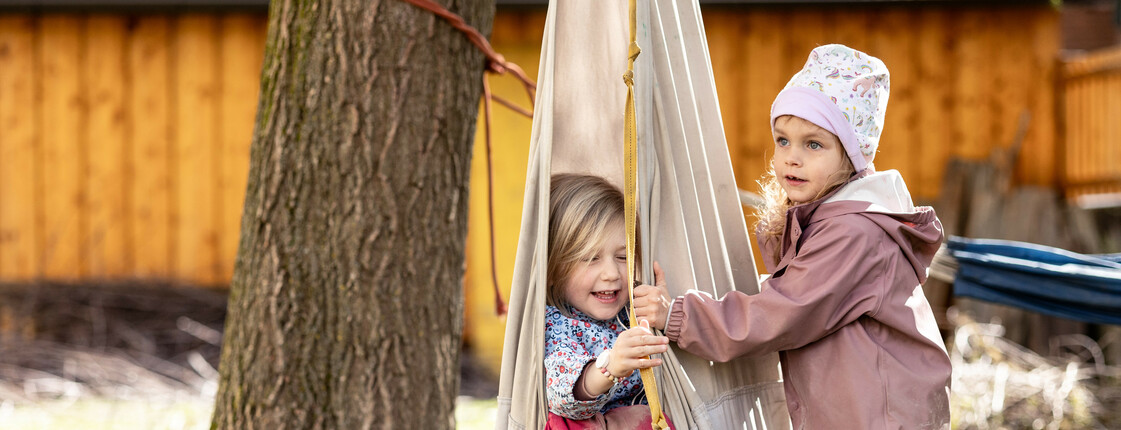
column 690, row 216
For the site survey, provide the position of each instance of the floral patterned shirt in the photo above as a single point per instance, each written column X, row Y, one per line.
column 570, row 344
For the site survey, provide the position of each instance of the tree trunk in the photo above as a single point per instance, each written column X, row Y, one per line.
column 346, row 304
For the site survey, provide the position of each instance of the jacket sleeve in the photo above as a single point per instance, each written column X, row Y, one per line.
column 832, row 281
column 565, row 360
column 562, row 373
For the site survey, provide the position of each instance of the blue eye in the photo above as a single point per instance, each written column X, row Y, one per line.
column 815, row 145
column 782, row 141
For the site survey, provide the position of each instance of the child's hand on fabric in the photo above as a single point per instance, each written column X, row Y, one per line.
column 652, row 302
column 630, row 348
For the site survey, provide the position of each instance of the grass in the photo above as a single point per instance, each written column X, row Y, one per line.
column 99, row 414
column 475, row 414
column 189, row 414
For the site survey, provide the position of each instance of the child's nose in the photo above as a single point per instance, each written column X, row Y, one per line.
column 611, row 272
column 793, row 159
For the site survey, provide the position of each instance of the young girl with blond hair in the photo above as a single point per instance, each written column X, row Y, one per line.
column 590, row 353
column 847, row 252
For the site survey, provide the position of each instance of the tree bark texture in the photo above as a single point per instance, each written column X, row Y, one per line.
column 346, row 303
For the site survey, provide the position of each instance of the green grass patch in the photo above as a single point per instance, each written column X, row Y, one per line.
column 190, row 414
column 475, row 414
column 99, row 414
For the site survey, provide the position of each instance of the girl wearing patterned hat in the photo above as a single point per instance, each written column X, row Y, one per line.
column 847, row 251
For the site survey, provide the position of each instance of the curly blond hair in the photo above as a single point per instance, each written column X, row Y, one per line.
column 772, row 214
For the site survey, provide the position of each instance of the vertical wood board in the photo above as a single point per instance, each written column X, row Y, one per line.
column 195, row 152
column 18, row 150
column 105, row 241
column 149, row 107
column 63, row 115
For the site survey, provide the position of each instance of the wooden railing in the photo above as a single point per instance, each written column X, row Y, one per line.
column 1089, row 151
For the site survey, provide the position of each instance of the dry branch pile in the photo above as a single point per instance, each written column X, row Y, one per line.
column 998, row 384
column 124, row 340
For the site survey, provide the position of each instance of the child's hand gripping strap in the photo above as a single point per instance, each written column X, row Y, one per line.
column 630, row 192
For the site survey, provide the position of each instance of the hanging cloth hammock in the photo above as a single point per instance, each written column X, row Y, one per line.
column 689, row 215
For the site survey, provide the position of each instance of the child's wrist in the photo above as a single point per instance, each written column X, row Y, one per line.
column 604, row 363
column 607, row 374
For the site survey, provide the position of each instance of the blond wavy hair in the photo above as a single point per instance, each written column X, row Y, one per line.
column 582, row 210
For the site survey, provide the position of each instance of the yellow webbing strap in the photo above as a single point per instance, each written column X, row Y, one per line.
column 630, row 193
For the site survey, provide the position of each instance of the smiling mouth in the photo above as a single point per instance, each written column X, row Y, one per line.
column 606, row 295
column 794, row 179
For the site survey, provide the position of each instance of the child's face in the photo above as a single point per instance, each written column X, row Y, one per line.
column 806, row 156
column 597, row 285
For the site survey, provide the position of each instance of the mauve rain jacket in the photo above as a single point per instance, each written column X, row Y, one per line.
column 857, row 340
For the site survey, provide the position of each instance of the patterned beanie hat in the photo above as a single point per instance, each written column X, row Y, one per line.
column 841, row 90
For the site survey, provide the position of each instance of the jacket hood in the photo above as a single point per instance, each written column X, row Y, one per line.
column 883, row 198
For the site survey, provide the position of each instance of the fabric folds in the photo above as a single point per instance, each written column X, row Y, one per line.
column 690, row 217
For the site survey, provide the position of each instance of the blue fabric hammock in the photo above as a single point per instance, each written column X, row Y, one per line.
column 1039, row 278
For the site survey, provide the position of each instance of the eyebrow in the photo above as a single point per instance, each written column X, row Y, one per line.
column 822, row 138
column 821, row 135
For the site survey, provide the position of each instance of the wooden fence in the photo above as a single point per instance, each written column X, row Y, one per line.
column 1089, row 154
column 124, row 143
